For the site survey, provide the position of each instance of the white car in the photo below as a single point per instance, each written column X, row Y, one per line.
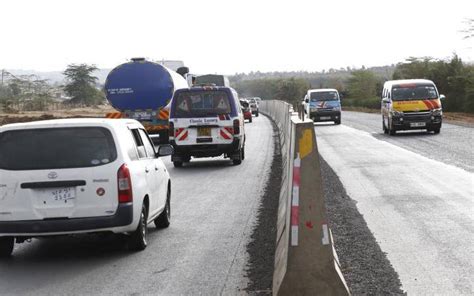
column 69, row 176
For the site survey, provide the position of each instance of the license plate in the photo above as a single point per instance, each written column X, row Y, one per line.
column 204, row 131
column 141, row 115
column 325, row 117
column 53, row 196
column 417, row 124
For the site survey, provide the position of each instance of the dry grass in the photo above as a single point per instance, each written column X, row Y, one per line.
column 26, row 116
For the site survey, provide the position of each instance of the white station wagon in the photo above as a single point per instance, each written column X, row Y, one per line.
column 73, row 176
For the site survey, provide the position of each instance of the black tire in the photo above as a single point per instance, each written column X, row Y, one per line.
column 238, row 160
column 391, row 130
column 7, row 244
column 138, row 239
column 177, row 164
column 337, row 122
column 243, row 152
column 250, row 120
column 256, row 114
column 436, row 131
column 164, row 219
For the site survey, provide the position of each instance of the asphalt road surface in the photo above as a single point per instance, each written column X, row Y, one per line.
column 214, row 206
column 416, row 193
column 454, row 145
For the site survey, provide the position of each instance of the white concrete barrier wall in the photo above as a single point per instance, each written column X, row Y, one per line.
column 305, row 260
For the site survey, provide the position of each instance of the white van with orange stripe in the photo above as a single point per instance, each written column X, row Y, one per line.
column 206, row 121
column 411, row 104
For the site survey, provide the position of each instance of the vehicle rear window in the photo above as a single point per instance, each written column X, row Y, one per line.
column 413, row 92
column 324, row 96
column 201, row 104
column 55, row 148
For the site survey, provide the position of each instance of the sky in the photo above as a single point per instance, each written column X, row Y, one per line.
column 228, row 37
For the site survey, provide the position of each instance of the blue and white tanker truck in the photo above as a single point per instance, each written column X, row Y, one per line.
column 142, row 90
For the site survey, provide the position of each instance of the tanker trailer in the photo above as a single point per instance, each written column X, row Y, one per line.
column 141, row 90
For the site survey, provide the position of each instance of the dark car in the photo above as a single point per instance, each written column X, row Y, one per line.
column 246, row 109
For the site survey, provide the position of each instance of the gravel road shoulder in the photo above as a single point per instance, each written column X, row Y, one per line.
column 366, row 268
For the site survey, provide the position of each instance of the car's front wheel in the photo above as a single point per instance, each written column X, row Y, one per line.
column 138, row 239
column 6, row 246
column 391, row 130
column 256, row 114
column 164, row 219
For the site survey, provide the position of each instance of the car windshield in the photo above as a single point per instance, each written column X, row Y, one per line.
column 414, row 92
column 324, row 96
column 55, row 148
column 201, row 104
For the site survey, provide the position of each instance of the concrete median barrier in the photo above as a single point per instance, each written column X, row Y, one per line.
column 305, row 259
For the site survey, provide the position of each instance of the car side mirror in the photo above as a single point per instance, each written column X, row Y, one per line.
column 442, row 97
column 164, row 150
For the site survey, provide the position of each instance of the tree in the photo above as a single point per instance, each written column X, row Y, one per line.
column 81, row 84
column 362, row 84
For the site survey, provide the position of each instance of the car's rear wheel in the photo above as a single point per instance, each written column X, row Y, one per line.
column 164, row 219
column 250, row 119
column 138, row 239
column 177, row 164
column 7, row 244
column 240, row 154
column 256, row 114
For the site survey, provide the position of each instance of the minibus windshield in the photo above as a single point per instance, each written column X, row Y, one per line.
column 201, row 104
column 324, row 96
column 414, row 92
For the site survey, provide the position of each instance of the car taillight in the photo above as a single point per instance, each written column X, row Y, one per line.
column 124, row 185
column 171, row 131
column 236, row 127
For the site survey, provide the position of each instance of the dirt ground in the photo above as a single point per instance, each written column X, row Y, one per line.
column 26, row 116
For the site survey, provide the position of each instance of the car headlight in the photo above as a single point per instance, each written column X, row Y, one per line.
column 437, row 112
column 396, row 113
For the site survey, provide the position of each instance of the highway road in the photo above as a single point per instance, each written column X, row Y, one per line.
column 214, row 207
column 416, row 193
